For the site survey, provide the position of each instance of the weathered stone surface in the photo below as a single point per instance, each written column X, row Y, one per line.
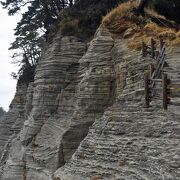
column 12, row 122
column 29, row 98
column 130, row 141
column 38, row 150
column 103, row 88
column 94, row 91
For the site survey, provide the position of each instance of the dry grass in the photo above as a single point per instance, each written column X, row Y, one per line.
column 136, row 42
column 175, row 42
column 119, row 12
column 122, row 15
column 153, row 13
column 153, row 31
column 169, row 34
column 178, row 34
column 122, row 20
column 152, row 28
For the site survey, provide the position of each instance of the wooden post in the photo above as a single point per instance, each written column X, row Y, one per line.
column 164, row 85
column 161, row 43
column 153, row 48
column 146, row 90
column 143, row 49
column 156, row 55
column 151, row 67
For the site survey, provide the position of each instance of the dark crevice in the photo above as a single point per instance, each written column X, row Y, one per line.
column 72, row 138
column 61, row 161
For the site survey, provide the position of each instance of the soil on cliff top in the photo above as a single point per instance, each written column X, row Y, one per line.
column 123, row 21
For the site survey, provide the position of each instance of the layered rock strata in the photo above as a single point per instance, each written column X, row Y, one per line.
column 130, row 141
column 95, row 89
column 12, row 122
column 38, row 150
column 74, row 88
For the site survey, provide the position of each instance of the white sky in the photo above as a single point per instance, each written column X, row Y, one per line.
column 7, row 83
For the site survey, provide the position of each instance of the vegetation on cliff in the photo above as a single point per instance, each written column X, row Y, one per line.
column 80, row 18
column 41, row 18
column 169, row 8
column 84, row 17
column 124, row 21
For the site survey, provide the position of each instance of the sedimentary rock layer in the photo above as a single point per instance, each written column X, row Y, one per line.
column 37, row 151
column 130, row 141
column 75, row 87
column 12, row 122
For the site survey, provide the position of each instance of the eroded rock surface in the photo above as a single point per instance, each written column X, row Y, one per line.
column 130, row 141
column 12, row 122
column 38, row 150
column 100, row 87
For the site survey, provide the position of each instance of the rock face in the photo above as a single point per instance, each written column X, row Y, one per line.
column 38, row 150
column 12, row 122
column 130, row 141
column 101, row 88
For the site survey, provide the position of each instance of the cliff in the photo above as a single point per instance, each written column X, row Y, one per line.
column 83, row 117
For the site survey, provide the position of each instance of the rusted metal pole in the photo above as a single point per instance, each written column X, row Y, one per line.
column 153, row 48
column 146, row 90
column 164, row 85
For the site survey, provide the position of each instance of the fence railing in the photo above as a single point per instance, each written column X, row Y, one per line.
column 156, row 84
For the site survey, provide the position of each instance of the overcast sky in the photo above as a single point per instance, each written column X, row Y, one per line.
column 7, row 83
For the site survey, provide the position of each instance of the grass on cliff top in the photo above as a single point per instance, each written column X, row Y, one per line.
column 122, row 21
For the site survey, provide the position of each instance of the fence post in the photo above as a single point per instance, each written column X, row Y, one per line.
column 156, row 55
column 143, row 49
column 161, row 43
column 164, row 85
column 153, row 48
column 151, row 67
column 146, row 90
